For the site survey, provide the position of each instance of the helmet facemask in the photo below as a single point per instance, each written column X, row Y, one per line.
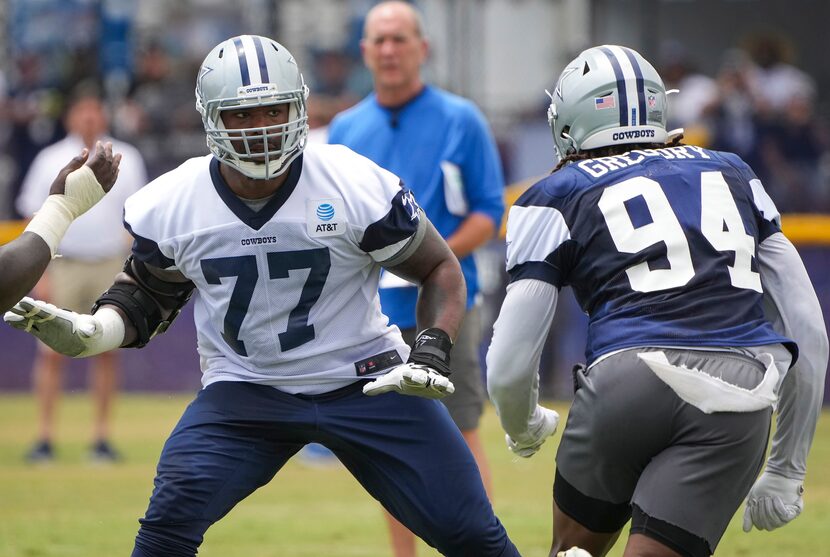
column 263, row 152
column 565, row 145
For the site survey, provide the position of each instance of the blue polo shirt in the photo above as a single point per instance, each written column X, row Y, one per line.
column 439, row 144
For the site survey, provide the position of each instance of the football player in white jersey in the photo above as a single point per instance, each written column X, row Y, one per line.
column 77, row 187
column 284, row 244
column 702, row 319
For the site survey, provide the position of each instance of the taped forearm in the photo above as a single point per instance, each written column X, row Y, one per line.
column 515, row 351
column 108, row 334
column 58, row 211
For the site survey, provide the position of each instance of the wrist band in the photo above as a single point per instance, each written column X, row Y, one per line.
column 109, row 332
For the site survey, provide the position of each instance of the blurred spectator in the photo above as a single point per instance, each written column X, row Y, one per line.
column 6, row 163
column 766, row 114
column 331, row 73
column 321, row 110
column 147, row 108
column 442, row 148
column 89, row 260
column 775, row 81
column 734, row 121
column 792, row 147
column 32, row 111
column 157, row 115
column 697, row 92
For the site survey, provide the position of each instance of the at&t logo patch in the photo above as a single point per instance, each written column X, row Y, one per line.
column 325, row 211
column 325, row 217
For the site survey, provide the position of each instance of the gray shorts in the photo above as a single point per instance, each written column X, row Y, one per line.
column 466, row 404
column 630, row 439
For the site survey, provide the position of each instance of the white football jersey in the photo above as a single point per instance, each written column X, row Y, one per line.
column 287, row 295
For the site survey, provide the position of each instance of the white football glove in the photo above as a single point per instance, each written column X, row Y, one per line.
column 69, row 333
column 773, row 502
column 542, row 425
column 411, row 379
column 574, row 552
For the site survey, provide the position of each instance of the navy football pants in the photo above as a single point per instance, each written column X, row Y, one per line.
column 405, row 451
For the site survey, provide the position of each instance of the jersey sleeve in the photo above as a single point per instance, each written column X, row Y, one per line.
column 394, row 233
column 771, row 221
column 142, row 221
column 387, row 218
column 769, row 217
column 538, row 238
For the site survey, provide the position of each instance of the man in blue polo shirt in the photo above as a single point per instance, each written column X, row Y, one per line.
column 441, row 147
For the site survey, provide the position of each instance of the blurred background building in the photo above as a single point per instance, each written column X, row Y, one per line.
column 751, row 73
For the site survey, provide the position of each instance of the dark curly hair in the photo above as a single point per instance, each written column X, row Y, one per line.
column 612, row 150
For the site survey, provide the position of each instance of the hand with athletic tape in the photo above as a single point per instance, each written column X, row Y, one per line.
column 76, row 189
column 425, row 372
column 543, row 424
column 773, row 502
column 66, row 332
column 99, row 173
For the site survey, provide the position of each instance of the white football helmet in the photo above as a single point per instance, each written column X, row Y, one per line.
column 252, row 71
column 608, row 95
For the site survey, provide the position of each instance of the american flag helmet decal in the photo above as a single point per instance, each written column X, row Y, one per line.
column 630, row 84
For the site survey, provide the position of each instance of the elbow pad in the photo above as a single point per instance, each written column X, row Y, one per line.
column 145, row 300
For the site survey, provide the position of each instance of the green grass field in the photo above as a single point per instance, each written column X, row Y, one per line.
column 75, row 508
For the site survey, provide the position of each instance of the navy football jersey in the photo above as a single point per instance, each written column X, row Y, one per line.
column 659, row 246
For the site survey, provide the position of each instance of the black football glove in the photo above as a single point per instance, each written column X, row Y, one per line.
column 432, row 348
column 425, row 372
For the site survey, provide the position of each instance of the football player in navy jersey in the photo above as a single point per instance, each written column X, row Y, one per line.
column 702, row 321
column 284, row 243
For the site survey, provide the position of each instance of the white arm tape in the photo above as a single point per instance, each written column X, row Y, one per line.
column 109, row 332
column 58, row 211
